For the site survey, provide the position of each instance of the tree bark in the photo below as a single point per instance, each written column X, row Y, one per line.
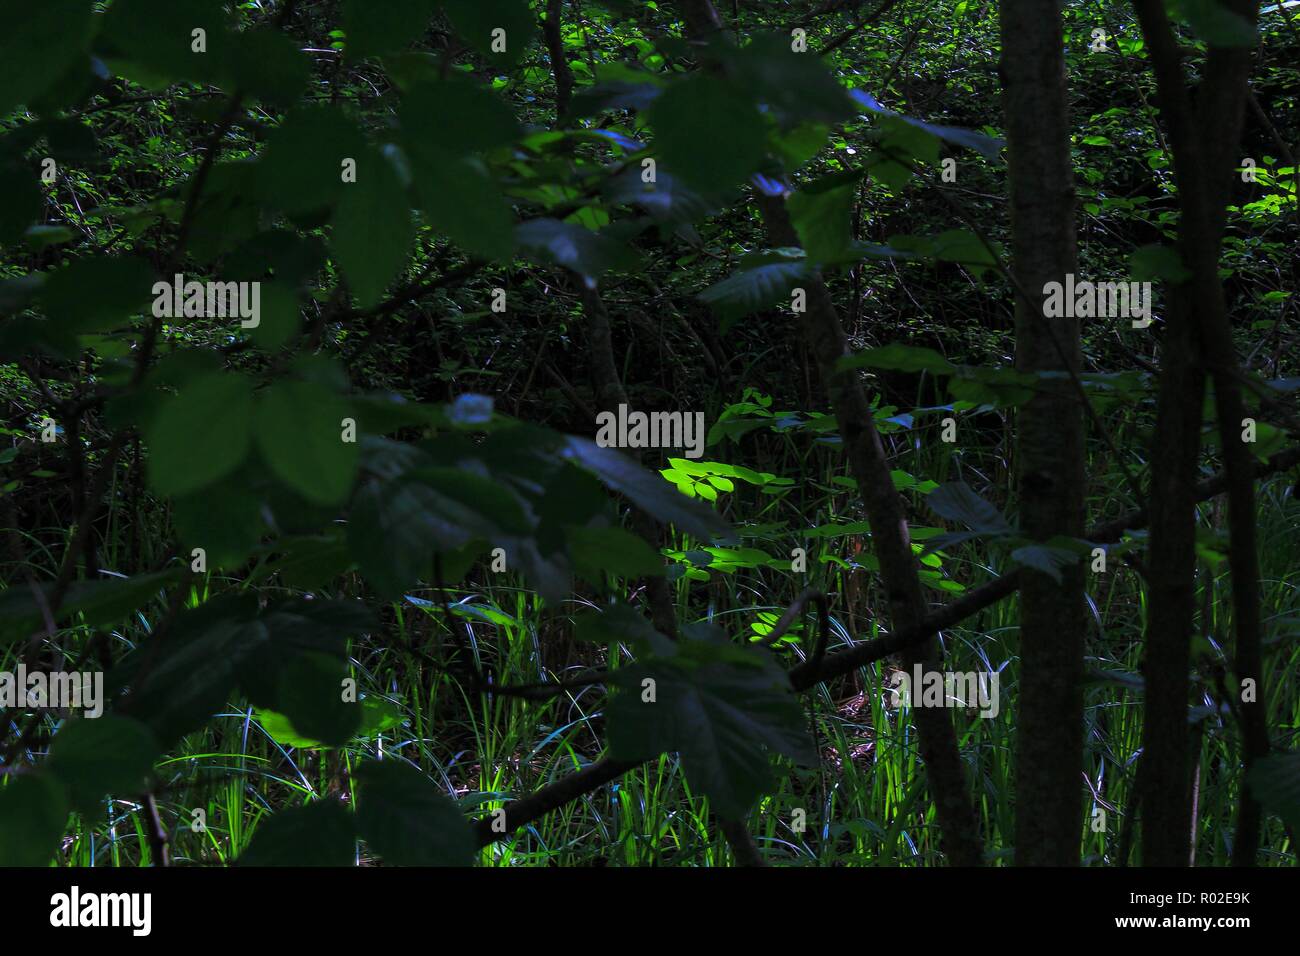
column 1050, row 439
column 892, row 546
column 1199, row 339
column 554, row 36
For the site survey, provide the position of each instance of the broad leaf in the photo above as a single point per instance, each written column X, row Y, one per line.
column 300, row 434
column 692, row 118
column 372, row 232
column 322, row 833
column 104, row 755
column 202, row 434
column 957, row 501
column 722, row 707
column 33, row 814
column 407, row 820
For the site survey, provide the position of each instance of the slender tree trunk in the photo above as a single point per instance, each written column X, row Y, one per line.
column 553, row 33
column 889, row 534
column 1204, row 139
column 1050, row 436
column 892, row 545
column 610, row 393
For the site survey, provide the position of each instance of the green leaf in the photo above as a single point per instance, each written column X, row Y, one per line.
column 1216, row 24
column 797, row 85
column 152, row 41
column 268, row 65
column 462, row 201
column 476, row 21
column 100, row 603
column 300, row 434
column 104, row 755
column 97, row 294
column 396, row 526
column 899, row 357
column 407, row 820
column 957, row 501
column 458, row 115
column 590, row 254
column 987, row 146
column 322, row 833
column 279, row 316
column 179, row 686
column 707, row 133
column 39, row 43
column 965, row 248
column 310, row 695
column 377, row 716
column 667, row 199
column 202, row 434
column 647, row 490
column 372, row 228
column 622, row 624
column 1045, row 558
column 33, row 814
column 762, row 286
column 1275, row 782
column 301, row 170
column 223, row 643
column 723, row 707
column 225, row 519
column 374, row 29
column 1152, row 262
column 20, row 200
column 599, row 551
column 823, row 218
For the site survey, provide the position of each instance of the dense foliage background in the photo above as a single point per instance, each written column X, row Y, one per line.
column 361, row 583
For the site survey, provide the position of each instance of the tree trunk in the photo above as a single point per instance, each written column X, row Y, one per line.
column 1200, row 337
column 1050, row 439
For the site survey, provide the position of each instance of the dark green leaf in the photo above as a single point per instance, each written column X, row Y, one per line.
column 723, row 707
column 462, row 201
column 708, row 134
column 96, row 294
column 303, row 165
column 900, row 357
column 100, row 603
column 104, row 755
column 1216, row 24
column 38, row 44
column 764, row 285
column 372, row 228
column 957, row 501
column 300, row 433
column 1275, row 782
column 599, row 551
column 322, row 833
column 374, row 29
column 310, row 695
column 588, row 253
column 647, row 490
column 33, row 813
column 458, row 115
column 1153, row 262
column 202, row 434
column 407, row 820
column 478, row 23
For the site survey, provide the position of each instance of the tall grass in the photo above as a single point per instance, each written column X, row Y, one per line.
column 865, row 804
